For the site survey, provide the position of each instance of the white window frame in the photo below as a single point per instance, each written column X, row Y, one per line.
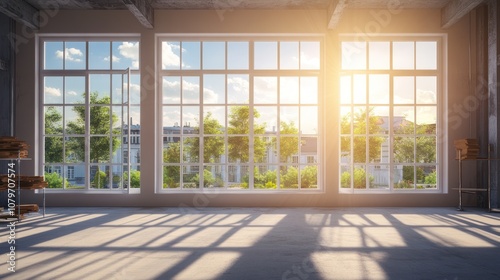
column 41, row 73
column 442, row 101
column 252, row 73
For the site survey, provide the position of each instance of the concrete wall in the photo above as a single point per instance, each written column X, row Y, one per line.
column 294, row 21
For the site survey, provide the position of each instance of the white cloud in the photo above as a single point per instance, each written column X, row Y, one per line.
column 71, row 54
column 115, row 59
column 309, row 62
column 52, row 91
column 238, row 84
column 169, row 56
column 72, row 92
column 131, row 51
column 426, row 97
column 209, row 96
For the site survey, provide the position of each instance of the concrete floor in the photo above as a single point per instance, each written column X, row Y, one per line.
column 255, row 243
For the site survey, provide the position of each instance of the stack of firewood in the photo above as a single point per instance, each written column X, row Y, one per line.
column 468, row 148
column 26, row 182
column 10, row 147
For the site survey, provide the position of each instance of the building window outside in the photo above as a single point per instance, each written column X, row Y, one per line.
column 235, row 110
column 84, row 86
column 390, row 96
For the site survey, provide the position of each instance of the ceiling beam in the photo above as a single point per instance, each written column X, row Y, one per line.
column 335, row 11
column 455, row 10
column 21, row 12
column 142, row 10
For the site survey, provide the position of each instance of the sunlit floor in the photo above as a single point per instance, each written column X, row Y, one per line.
column 255, row 243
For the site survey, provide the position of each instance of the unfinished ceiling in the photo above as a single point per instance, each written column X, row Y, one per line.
column 25, row 11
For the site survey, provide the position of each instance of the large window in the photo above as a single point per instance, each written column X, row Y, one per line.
column 239, row 113
column 390, row 97
column 90, row 104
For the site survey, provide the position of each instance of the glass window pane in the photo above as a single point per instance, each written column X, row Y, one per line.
column 214, row 89
column 353, row 55
column 265, row 90
column 345, row 149
column 190, row 149
column 345, row 177
column 426, row 119
column 74, row 90
column 378, row 120
column 429, row 178
column 191, row 177
column 75, row 55
column 264, row 149
column 74, row 149
column 426, row 55
column 345, row 120
column 404, row 149
column 289, row 90
column 214, row 55
column 403, row 55
column 100, row 149
column 74, row 119
column 53, row 90
column 310, row 55
column 309, row 120
column 426, row 149
column 378, row 149
column 238, row 149
column 135, row 115
column 359, row 120
column 289, row 120
column 360, row 177
column 238, row 176
column 403, row 177
column 214, row 119
column 427, row 90
column 135, row 89
column 99, row 177
column 171, row 55
column 404, row 120
column 117, row 119
column 191, row 90
column 360, row 149
column 308, row 149
column 213, row 149
column 125, row 55
column 308, row 90
column 171, row 177
column 99, row 55
column 171, row 90
column 191, row 55
column 265, row 55
column 289, row 177
column 265, row 177
column 99, row 88
column 171, row 119
column 378, row 176
column 289, row 55
column 53, row 119
column 171, row 152
column 238, row 89
column 191, row 119
column 379, row 89
column 53, row 149
column 380, row 55
column 309, row 177
column 289, row 146
column 237, row 55
column 404, row 90
column 359, row 89
column 345, row 90
column 214, row 176
column 238, row 120
column 265, row 119
column 53, row 55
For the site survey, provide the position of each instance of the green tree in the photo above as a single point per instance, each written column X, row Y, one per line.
column 171, row 174
column 359, row 179
column 266, row 180
column 309, row 177
column 238, row 146
column 363, row 124
column 53, row 126
column 289, row 145
column 213, row 146
column 100, row 180
column 290, row 178
column 55, row 181
column 135, row 178
column 404, row 147
column 100, row 124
